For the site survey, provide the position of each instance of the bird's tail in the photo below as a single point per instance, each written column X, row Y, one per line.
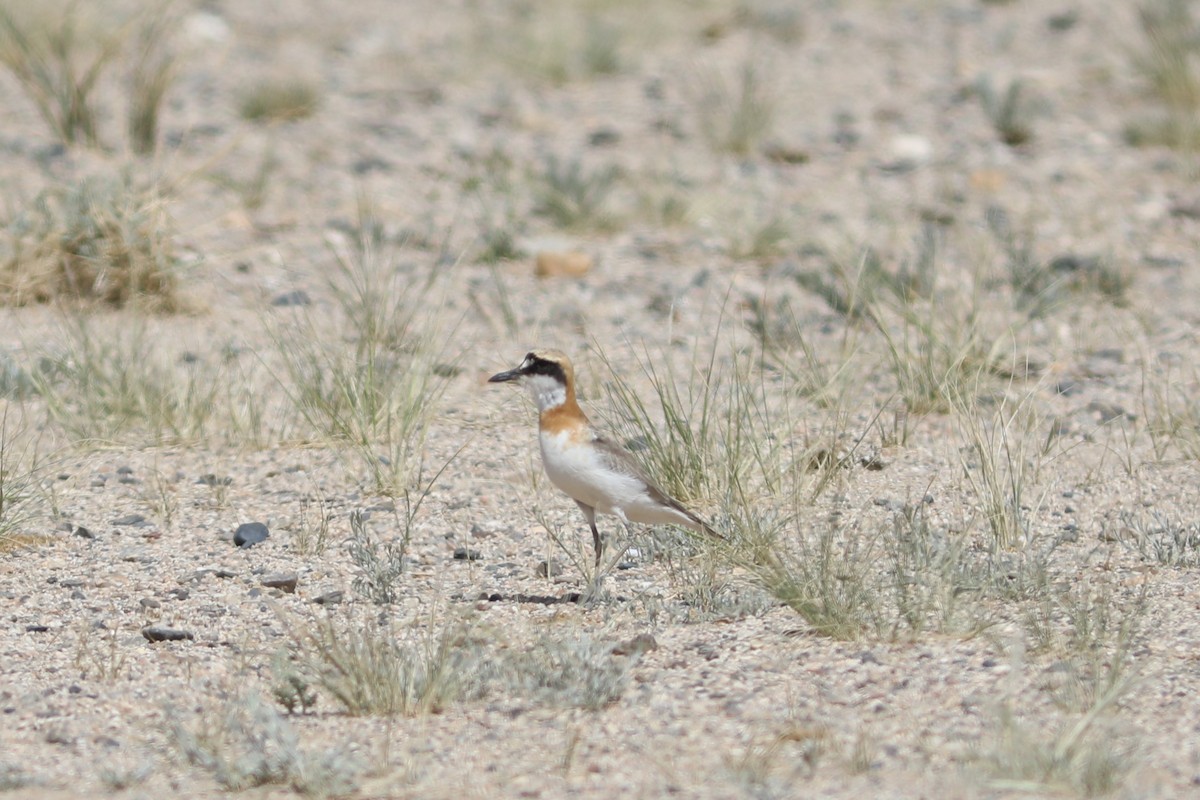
column 700, row 526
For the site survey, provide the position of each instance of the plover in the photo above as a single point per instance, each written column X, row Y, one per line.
column 594, row 471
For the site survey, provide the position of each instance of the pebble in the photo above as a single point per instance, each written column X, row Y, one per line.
column 329, row 598
column 157, row 634
column 294, row 298
column 283, row 580
column 548, row 569
column 131, row 519
column 83, row 533
column 249, row 534
column 908, row 152
column 602, row 137
column 562, row 264
column 466, row 554
column 149, row 602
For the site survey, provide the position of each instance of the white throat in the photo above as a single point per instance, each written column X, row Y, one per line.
column 547, row 392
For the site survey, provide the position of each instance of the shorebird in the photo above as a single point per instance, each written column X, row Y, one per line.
column 594, row 471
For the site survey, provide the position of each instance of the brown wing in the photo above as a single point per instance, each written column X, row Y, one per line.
column 623, row 461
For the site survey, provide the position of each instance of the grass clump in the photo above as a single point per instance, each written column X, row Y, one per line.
column 559, row 42
column 103, row 240
column 575, row 673
column 106, row 387
column 58, row 58
column 153, row 72
column 247, row 743
column 284, row 100
column 18, row 485
column 573, row 197
column 734, row 116
column 371, row 380
column 368, row 672
column 59, row 54
column 1009, row 111
column 1169, row 66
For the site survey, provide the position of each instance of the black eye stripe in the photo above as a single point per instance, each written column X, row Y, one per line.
column 541, row 366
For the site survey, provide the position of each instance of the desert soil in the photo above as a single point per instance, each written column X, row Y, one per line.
column 441, row 116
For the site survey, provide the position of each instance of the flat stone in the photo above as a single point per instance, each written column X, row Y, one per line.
column 249, row 534
column 156, row 634
column 285, row 581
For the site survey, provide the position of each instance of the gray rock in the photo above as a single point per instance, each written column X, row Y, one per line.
column 154, row 633
column 136, row 520
column 249, row 534
column 296, row 297
column 283, row 580
column 329, row 598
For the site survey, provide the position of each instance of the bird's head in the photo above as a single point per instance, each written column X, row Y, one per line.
column 547, row 374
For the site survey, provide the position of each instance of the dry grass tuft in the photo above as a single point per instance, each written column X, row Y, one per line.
column 280, row 101
column 104, row 240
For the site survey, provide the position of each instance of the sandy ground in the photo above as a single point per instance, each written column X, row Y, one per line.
column 441, row 115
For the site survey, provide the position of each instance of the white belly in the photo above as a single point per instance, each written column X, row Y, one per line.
column 584, row 473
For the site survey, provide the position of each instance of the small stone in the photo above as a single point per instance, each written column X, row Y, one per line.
column 131, row 519
column 562, row 264
column 179, row 593
column 36, row 628
column 83, row 533
column 296, row 297
column 249, row 534
column 284, row 580
column 548, row 569
column 466, row 554
column 908, row 152
column 602, row 137
column 157, row 634
column 125, row 470
column 782, row 153
column 371, row 164
column 329, row 598
column 149, row 602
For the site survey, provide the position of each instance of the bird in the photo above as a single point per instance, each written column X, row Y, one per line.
column 600, row 475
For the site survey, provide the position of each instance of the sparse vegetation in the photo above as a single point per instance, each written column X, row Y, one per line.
column 575, row 197
column 735, row 115
column 105, row 239
column 1010, row 112
column 58, row 56
column 61, row 52
column 121, row 387
column 246, row 743
column 366, row 671
column 1169, row 63
column 859, row 283
column 283, row 100
column 375, row 397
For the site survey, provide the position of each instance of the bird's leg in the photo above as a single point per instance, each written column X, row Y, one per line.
column 597, row 545
column 597, row 542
